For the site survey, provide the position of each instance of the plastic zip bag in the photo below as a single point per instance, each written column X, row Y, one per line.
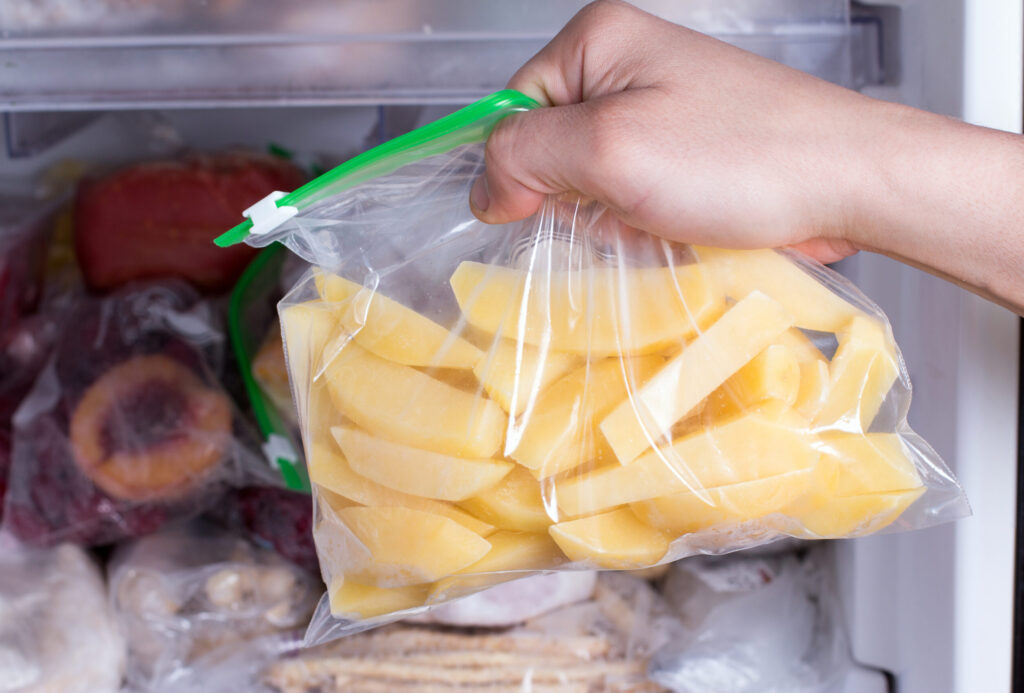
column 127, row 426
column 187, row 591
column 57, row 631
column 256, row 341
column 770, row 624
column 603, row 642
column 566, row 392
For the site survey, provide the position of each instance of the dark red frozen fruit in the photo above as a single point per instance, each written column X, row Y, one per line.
column 148, row 428
column 159, row 219
column 281, row 520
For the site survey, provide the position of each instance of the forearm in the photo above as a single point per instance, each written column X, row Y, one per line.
column 944, row 196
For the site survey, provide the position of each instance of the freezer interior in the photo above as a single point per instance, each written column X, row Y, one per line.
column 925, row 611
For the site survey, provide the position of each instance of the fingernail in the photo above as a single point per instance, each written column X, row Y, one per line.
column 479, row 196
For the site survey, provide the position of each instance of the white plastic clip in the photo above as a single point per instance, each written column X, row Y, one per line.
column 267, row 216
column 277, row 448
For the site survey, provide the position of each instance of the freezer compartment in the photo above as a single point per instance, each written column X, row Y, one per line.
column 199, row 54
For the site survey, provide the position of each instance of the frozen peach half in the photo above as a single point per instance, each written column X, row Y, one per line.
column 149, row 428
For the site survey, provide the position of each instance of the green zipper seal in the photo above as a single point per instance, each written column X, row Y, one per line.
column 267, row 418
column 465, row 126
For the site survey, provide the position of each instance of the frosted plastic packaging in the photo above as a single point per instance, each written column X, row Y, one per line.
column 57, row 631
column 603, row 642
column 24, row 234
column 478, row 402
column 185, row 592
column 770, row 624
column 127, row 426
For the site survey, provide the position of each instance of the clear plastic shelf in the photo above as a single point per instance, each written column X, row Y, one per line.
column 110, row 54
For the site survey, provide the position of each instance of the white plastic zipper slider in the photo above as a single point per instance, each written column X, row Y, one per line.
column 277, row 447
column 267, row 216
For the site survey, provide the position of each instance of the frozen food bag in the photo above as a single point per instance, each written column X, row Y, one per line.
column 191, row 589
column 127, row 425
column 756, row 623
column 256, row 341
column 478, row 402
column 604, row 640
column 155, row 219
column 274, row 518
column 57, row 631
column 25, row 225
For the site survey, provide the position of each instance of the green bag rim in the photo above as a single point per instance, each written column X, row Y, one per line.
column 467, row 125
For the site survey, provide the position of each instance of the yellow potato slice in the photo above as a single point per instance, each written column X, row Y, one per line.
column 561, row 431
column 515, row 503
column 772, row 375
column 328, row 469
column 409, row 547
column 402, row 404
column 391, row 330
column 352, row 600
column 514, row 373
column 686, row 511
column 861, row 374
column 615, row 540
column 801, row 345
column 741, row 272
column 308, row 328
column 814, row 384
column 818, row 517
column 862, row 483
column 814, row 374
column 417, row 472
column 762, row 443
column 595, row 312
column 725, row 347
column 511, row 555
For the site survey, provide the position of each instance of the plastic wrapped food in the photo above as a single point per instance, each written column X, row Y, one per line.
column 271, row 374
column 513, row 602
column 255, row 333
column 189, row 590
column 770, row 624
column 24, row 350
column 566, row 392
column 157, row 220
column 24, row 232
column 274, row 518
column 127, row 426
column 602, row 643
column 57, row 632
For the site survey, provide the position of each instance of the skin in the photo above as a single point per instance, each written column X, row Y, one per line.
column 696, row 141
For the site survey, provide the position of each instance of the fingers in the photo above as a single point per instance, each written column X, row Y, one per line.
column 591, row 55
column 528, row 156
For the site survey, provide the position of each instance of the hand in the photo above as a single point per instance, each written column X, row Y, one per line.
column 681, row 135
column 697, row 141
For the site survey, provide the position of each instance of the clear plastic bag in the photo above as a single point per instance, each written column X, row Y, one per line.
column 603, row 642
column 274, row 518
column 183, row 593
column 156, row 219
column 127, row 425
column 24, row 233
column 770, row 624
column 57, row 631
column 256, row 341
column 566, row 392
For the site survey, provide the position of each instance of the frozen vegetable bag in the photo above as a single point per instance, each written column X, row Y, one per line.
column 478, row 402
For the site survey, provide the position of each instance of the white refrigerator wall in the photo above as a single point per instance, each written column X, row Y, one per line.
column 935, row 607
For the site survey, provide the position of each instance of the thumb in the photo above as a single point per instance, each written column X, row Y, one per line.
column 528, row 156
